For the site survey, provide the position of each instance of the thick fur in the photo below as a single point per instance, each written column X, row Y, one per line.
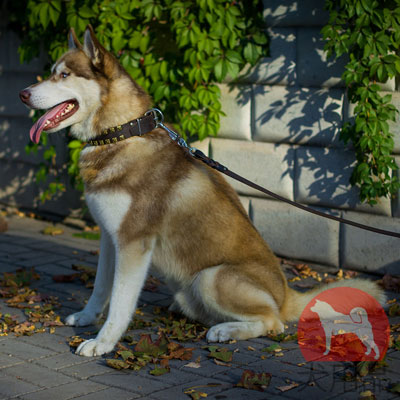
column 157, row 205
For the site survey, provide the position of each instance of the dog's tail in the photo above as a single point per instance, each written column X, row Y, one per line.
column 297, row 301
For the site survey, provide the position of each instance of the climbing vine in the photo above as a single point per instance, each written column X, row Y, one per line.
column 177, row 50
column 368, row 32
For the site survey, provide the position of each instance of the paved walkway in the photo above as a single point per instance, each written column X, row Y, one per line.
column 43, row 365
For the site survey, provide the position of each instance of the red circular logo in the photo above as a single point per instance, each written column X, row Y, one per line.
column 343, row 324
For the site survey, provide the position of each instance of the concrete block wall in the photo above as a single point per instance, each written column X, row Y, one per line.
column 281, row 131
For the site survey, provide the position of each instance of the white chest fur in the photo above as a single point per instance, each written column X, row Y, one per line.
column 109, row 209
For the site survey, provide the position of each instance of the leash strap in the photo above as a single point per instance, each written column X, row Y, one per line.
column 154, row 118
column 159, row 118
column 221, row 168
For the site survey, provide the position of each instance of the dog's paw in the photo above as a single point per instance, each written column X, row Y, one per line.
column 81, row 318
column 219, row 333
column 93, row 347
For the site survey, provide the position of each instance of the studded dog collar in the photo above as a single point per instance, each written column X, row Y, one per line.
column 136, row 127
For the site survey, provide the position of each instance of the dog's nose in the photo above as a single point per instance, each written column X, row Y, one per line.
column 24, row 95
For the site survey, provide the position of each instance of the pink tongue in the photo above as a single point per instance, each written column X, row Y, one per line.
column 37, row 128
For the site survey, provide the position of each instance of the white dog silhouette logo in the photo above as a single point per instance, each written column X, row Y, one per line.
column 336, row 323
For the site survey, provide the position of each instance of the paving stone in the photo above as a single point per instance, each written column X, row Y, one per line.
column 367, row 250
column 132, row 382
column 7, row 360
column 11, row 387
column 301, row 372
column 7, row 267
column 294, row 233
column 266, row 164
column 47, row 341
column 176, row 376
column 203, row 385
column 86, row 370
column 63, row 360
column 234, row 376
column 238, row 393
column 110, row 393
column 10, row 248
column 279, row 68
column 67, row 391
column 37, row 375
column 314, row 69
column 295, row 13
column 48, row 258
column 322, row 178
column 76, row 261
column 54, row 269
column 22, row 350
column 298, row 115
column 236, row 104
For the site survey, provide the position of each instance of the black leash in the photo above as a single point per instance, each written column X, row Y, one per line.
column 141, row 128
column 159, row 118
column 221, row 168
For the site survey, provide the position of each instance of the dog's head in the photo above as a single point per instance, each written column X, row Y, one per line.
column 76, row 89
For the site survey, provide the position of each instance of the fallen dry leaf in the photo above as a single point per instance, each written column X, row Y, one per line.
column 221, row 363
column 254, row 381
column 193, row 365
column 66, row 278
column 287, row 387
column 367, row 395
column 220, row 353
column 75, row 341
column 391, row 283
column 52, row 230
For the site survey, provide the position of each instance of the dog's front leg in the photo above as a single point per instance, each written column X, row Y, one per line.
column 132, row 264
column 102, row 286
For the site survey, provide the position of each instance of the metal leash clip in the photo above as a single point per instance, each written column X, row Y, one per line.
column 159, row 119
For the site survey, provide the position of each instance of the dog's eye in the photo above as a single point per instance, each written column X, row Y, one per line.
column 64, row 75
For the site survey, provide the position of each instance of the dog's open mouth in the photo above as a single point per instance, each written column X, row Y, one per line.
column 52, row 118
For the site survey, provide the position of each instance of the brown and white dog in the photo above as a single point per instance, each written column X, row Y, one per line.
column 155, row 204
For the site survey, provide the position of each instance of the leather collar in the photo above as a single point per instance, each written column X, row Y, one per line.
column 136, row 127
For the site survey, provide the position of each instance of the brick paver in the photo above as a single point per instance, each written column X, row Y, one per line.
column 43, row 366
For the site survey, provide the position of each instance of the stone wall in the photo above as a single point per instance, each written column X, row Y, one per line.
column 281, row 131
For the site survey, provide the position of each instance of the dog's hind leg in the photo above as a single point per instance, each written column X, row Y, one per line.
column 132, row 264
column 102, row 286
column 239, row 308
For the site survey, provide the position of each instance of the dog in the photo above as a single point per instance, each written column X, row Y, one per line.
column 336, row 323
column 156, row 204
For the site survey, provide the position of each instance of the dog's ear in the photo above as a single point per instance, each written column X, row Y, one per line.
column 73, row 42
column 92, row 47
